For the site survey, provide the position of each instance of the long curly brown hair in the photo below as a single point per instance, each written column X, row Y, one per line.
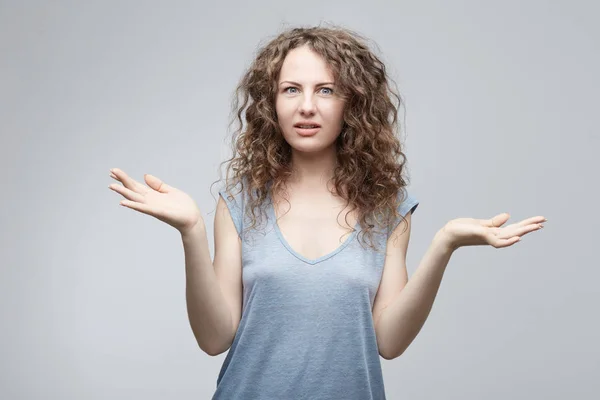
column 370, row 163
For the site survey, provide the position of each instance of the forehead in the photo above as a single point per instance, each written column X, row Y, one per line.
column 302, row 64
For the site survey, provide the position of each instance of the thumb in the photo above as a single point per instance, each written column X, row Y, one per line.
column 499, row 219
column 156, row 183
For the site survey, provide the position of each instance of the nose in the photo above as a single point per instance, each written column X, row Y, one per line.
column 308, row 105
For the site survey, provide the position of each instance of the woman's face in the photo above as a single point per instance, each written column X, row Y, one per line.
column 306, row 92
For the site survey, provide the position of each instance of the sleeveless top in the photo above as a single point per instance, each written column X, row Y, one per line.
column 306, row 330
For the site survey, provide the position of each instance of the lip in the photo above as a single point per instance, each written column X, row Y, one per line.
column 307, row 132
column 297, row 124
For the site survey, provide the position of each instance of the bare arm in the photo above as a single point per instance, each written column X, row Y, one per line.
column 402, row 320
column 214, row 291
column 209, row 315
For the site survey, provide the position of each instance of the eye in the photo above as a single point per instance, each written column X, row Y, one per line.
column 330, row 90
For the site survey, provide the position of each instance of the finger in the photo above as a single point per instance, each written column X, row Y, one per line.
column 496, row 221
column 128, row 182
column 500, row 243
column 525, row 222
column 128, row 194
column 528, row 229
column 121, row 177
column 113, row 175
column 141, row 207
column 520, row 231
column 156, row 184
column 532, row 220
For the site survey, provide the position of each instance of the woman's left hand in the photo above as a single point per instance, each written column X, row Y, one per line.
column 462, row 232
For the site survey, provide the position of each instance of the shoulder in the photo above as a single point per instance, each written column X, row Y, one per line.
column 233, row 199
column 407, row 204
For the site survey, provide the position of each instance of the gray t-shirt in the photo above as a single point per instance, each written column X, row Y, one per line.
column 306, row 330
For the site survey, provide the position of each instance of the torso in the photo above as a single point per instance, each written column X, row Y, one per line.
column 314, row 224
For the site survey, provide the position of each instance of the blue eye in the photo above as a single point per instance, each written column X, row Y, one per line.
column 292, row 87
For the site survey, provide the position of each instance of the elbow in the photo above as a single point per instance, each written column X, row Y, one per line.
column 383, row 350
column 218, row 348
column 390, row 354
column 386, row 356
column 384, row 353
column 215, row 351
column 218, row 345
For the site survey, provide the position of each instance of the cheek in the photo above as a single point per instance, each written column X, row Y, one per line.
column 335, row 113
column 277, row 106
column 282, row 108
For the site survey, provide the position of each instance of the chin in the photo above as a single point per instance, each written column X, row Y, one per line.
column 303, row 146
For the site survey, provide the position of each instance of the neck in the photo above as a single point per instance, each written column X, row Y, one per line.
column 313, row 170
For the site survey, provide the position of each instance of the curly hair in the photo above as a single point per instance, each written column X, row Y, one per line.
column 369, row 173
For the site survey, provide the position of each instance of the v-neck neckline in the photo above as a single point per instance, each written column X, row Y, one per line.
column 345, row 243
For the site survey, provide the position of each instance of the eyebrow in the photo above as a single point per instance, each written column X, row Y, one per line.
column 297, row 84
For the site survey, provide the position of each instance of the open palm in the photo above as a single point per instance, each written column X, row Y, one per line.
column 158, row 199
column 473, row 232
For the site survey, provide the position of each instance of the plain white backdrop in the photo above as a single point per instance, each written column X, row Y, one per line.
column 501, row 116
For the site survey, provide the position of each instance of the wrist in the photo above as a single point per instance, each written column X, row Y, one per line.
column 444, row 240
column 194, row 230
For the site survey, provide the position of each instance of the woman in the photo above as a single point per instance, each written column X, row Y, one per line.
column 308, row 303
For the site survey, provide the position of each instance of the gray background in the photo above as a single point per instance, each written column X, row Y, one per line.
column 501, row 98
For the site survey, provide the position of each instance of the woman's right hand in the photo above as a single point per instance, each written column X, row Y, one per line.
column 158, row 199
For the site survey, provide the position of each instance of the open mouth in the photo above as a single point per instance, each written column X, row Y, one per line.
column 307, row 126
column 307, row 131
